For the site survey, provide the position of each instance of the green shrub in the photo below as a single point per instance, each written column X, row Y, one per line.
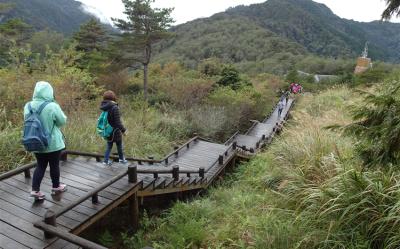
column 307, row 191
column 377, row 124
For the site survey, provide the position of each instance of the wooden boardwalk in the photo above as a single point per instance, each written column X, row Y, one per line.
column 94, row 189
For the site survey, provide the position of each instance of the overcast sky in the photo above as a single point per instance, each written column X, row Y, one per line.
column 186, row 10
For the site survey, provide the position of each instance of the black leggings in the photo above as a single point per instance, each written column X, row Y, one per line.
column 43, row 159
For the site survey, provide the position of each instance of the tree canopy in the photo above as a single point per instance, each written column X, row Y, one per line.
column 91, row 36
column 392, row 8
column 145, row 27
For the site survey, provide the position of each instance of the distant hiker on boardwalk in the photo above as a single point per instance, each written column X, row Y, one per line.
column 281, row 105
column 42, row 135
column 286, row 95
column 297, row 88
column 291, row 87
column 110, row 126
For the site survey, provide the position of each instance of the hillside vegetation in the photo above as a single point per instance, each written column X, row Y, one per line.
column 309, row 190
column 182, row 102
column 274, row 35
column 63, row 16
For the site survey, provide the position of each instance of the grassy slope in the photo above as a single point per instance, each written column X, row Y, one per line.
column 306, row 191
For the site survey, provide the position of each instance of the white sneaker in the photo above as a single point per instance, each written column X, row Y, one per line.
column 38, row 195
column 123, row 161
column 109, row 163
column 61, row 188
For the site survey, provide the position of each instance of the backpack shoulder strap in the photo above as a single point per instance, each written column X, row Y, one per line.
column 30, row 108
column 42, row 106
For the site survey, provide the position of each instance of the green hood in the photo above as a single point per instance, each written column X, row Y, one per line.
column 43, row 92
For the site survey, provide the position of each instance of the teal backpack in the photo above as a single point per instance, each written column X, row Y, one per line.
column 104, row 129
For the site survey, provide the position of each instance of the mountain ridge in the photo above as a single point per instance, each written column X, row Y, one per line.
column 310, row 25
column 64, row 16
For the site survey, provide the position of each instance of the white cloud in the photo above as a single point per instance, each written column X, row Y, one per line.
column 186, row 10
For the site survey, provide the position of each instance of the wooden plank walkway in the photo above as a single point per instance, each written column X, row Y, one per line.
column 193, row 166
column 261, row 133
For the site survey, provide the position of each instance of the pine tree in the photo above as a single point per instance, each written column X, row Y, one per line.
column 377, row 126
column 90, row 37
column 392, row 8
column 230, row 77
column 143, row 28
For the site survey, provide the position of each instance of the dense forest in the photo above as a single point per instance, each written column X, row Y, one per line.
column 63, row 16
column 278, row 31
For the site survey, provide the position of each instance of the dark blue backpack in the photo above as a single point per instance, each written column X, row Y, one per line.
column 35, row 137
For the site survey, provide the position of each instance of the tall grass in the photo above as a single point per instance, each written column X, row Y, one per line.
column 307, row 191
column 149, row 131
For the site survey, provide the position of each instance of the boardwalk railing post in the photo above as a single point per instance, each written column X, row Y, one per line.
column 176, row 150
column 175, row 173
column 50, row 219
column 134, row 211
column 202, row 172
column 234, row 146
column 221, row 159
column 95, row 198
column 155, row 175
column 151, row 158
column 27, row 173
column 64, row 156
column 132, row 173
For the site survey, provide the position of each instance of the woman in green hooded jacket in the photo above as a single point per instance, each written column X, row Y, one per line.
column 52, row 118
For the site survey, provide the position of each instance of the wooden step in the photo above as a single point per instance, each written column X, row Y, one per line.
column 169, row 182
column 193, row 180
column 159, row 183
column 178, row 183
column 147, row 182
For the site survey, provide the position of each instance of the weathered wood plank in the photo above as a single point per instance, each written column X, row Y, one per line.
column 92, row 173
column 7, row 243
column 75, row 214
column 36, row 208
column 87, row 208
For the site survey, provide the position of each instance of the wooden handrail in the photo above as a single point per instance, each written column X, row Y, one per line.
column 173, row 153
column 96, row 155
column 48, row 226
column 229, row 141
column 55, row 231
column 91, row 193
column 19, row 170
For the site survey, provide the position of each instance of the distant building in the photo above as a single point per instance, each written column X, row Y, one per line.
column 318, row 77
column 363, row 63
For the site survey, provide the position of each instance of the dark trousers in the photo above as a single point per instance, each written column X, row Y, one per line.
column 279, row 112
column 109, row 149
column 43, row 159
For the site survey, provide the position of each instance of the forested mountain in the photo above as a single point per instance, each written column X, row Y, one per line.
column 280, row 28
column 64, row 16
column 232, row 39
column 269, row 36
